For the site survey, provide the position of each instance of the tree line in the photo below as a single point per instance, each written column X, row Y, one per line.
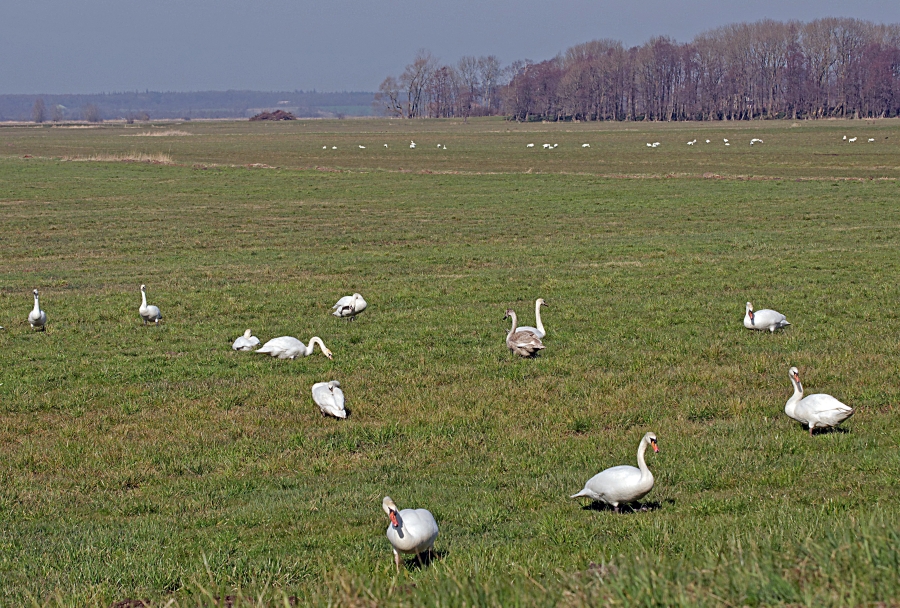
column 834, row 67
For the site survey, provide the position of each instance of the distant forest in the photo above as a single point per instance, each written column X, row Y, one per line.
column 210, row 104
column 768, row 69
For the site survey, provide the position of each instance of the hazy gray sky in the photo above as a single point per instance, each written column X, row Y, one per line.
column 93, row 46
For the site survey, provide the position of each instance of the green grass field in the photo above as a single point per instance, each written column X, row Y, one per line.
column 156, row 464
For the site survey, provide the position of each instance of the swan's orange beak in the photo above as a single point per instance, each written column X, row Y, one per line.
column 655, row 447
column 751, row 314
column 394, row 521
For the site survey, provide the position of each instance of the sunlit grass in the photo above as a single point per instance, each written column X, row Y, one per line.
column 155, row 463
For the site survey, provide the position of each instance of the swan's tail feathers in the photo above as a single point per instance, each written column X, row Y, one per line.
column 583, row 492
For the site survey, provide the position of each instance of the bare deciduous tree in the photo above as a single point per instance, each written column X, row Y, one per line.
column 38, row 111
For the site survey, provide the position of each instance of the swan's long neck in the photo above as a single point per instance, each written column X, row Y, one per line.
column 537, row 315
column 514, row 322
column 795, row 398
column 143, row 299
column 640, row 458
column 37, row 307
column 312, row 342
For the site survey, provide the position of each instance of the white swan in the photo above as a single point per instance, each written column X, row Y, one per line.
column 522, row 343
column 816, row 411
column 245, row 342
column 539, row 330
column 287, row 347
column 37, row 317
column 148, row 313
column 624, row 483
column 410, row 531
column 349, row 306
column 764, row 319
column 330, row 398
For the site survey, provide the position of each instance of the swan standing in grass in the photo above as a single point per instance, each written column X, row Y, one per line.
column 539, row 330
column 349, row 306
column 245, row 342
column 522, row 343
column 624, row 483
column 816, row 411
column 764, row 319
column 287, row 347
column 148, row 313
column 410, row 531
column 330, row 398
column 37, row 317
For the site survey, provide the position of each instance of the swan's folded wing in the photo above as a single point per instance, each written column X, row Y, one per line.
column 345, row 301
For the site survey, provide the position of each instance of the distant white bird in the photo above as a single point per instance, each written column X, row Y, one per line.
column 324, row 147
column 725, row 140
column 330, row 398
column 871, row 139
column 727, row 144
column 410, row 531
column 37, row 317
column 148, row 313
column 539, row 330
column 530, row 146
column 349, row 306
column 707, row 141
column 690, row 143
column 851, row 140
column 624, row 483
column 362, row 147
column 334, row 147
column 522, row 343
column 439, row 145
column 656, row 144
column 245, row 342
column 385, row 145
column 546, row 145
column 445, row 147
column 412, row 144
column 555, row 145
column 649, row 145
column 818, row 411
column 764, row 319
column 845, row 138
column 585, row 145
column 287, row 347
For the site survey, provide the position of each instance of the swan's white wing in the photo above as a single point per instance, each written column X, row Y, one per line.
column 345, row 301
column 330, row 401
column 822, row 409
column 281, row 346
column 419, row 531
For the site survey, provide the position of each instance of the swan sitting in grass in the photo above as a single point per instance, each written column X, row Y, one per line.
column 330, row 398
column 624, row 483
column 764, row 319
column 148, row 313
column 522, row 343
column 245, row 342
column 815, row 411
column 410, row 531
column 287, row 347
column 539, row 330
column 349, row 306
column 37, row 317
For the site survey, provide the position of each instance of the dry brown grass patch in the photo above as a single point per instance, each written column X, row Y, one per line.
column 157, row 158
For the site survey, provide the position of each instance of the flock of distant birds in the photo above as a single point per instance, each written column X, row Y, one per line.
column 655, row 144
column 413, row 531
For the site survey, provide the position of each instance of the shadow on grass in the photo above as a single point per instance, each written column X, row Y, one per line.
column 636, row 507
column 424, row 560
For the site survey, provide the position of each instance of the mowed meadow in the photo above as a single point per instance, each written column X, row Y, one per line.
column 144, row 465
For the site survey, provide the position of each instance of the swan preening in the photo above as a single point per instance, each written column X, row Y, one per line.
column 245, row 342
column 37, row 317
column 764, row 319
column 330, row 398
column 624, row 483
column 815, row 411
column 410, row 531
column 539, row 330
column 349, row 306
column 522, row 343
column 287, row 347
column 148, row 313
